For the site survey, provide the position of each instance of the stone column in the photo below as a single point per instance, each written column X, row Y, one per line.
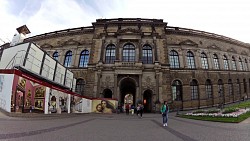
column 155, row 46
column 118, row 93
column 197, row 58
column 98, row 82
column 61, row 57
column 117, row 50
column 115, row 87
column 140, row 51
column 75, row 61
column 102, row 49
column 138, row 96
column 137, row 54
column 221, row 62
column 140, row 84
column 157, row 74
column 184, row 53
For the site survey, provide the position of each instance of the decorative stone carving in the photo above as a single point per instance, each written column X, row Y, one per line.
column 232, row 50
column 107, row 82
column 147, row 83
column 129, row 30
column 70, row 42
column 189, row 43
column 244, row 53
column 108, row 78
column 214, row 47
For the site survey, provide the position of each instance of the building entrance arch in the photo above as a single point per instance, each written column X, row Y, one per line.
column 127, row 91
column 147, row 100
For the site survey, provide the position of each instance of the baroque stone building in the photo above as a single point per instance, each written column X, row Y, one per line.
column 151, row 62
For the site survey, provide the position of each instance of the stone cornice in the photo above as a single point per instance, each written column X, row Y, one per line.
column 61, row 33
column 185, row 31
column 129, row 21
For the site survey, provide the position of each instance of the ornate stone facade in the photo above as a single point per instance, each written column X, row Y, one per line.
column 153, row 62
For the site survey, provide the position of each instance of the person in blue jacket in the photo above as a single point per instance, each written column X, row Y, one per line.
column 164, row 112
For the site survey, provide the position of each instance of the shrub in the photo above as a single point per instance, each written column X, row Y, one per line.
column 230, row 110
column 199, row 111
column 213, row 111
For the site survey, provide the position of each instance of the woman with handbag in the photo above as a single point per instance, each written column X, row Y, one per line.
column 164, row 112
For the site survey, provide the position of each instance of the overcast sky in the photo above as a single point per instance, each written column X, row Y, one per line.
column 230, row 18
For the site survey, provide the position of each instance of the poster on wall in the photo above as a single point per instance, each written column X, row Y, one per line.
column 103, row 106
column 27, row 95
column 1, row 82
column 6, row 82
column 39, row 97
column 76, row 104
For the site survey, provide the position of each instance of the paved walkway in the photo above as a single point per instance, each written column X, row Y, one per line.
column 118, row 127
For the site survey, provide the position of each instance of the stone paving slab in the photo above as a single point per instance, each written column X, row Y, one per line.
column 118, row 127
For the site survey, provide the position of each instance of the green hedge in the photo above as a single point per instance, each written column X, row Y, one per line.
column 219, row 119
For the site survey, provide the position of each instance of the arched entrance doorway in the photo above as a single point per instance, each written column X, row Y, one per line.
column 147, row 101
column 107, row 93
column 127, row 91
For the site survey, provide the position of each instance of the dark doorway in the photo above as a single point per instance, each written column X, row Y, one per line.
column 19, row 100
column 107, row 93
column 147, row 101
column 127, row 87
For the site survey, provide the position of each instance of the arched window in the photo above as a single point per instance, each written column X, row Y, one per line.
column 204, row 62
column 177, row 90
column 220, row 88
column 230, row 87
column 208, row 86
column 68, row 59
column 246, row 65
column 55, row 55
column 84, row 58
column 107, row 93
column 194, row 89
column 110, row 54
column 226, row 67
column 241, row 64
column 245, row 85
column 234, row 64
column 238, row 87
column 128, row 53
column 190, row 60
column 216, row 62
column 174, row 59
column 147, row 55
column 80, row 86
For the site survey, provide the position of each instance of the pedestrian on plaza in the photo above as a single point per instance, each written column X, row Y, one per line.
column 139, row 110
column 132, row 109
column 164, row 112
column 127, row 109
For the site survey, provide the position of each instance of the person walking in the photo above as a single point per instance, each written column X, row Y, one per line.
column 127, row 109
column 132, row 109
column 164, row 112
column 139, row 110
